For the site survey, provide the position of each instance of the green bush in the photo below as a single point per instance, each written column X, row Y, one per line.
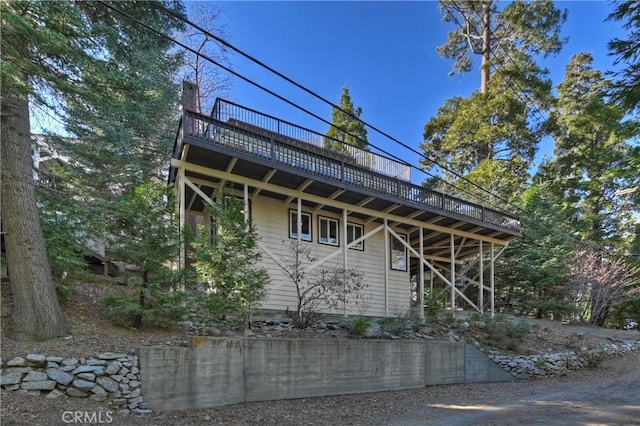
column 358, row 326
column 150, row 303
column 433, row 303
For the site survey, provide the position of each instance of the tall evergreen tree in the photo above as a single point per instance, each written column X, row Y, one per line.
column 346, row 128
column 496, row 130
column 73, row 57
column 593, row 153
column 627, row 85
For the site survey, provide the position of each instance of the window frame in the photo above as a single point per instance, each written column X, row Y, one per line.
column 396, row 265
column 360, row 245
column 337, row 225
column 293, row 230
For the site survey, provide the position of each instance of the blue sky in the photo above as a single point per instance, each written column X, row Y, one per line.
column 383, row 51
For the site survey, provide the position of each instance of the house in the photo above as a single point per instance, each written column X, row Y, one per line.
column 355, row 210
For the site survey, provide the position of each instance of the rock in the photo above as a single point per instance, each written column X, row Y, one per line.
column 110, row 356
column 35, row 376
column 54, row 394
column 83, row 385
column 87, row 376
column 141, row 411
column 124, row 412
column 96, row 362
column 113, row 367
column 22, row 370
column 134, row 384
column 17, row 362
column 69, row 361
column 51, row 364
column 248, row 333
column 12, row 387
column 373, row 330
column 98, row 370
column 42, row 385
column 124, row 371
column 98, row 398
column 119, row 402
column 54, row 359
column 108, row 384
column 76, row 393
column 30, row 392
column 10, row 379
column 124, row 386
column 135, row 393
column 116, row 377
column 133, row 403
column 37, row 359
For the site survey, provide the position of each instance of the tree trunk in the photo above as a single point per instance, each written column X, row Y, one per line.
column 36, row 313
column 486, row 46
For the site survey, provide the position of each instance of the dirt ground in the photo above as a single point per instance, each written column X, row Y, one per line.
column 606, row 395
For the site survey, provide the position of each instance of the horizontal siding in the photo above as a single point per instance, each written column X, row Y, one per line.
column 271, row 220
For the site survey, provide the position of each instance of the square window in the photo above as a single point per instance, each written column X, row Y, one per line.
column 328, row 231
column 398, row 254
column 355, row 231
column 305, row 219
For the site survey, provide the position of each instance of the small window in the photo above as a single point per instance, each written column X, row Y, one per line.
column 305, row 218
column 328, row 233
column 398, row 254
column 355, row 231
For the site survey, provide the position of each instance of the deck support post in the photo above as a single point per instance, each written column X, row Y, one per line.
column 453, row 276
column 386, row 267
column 481, row 280
column 246, row 207
column 344, row 257
column 181, row 215
column 421, row 276
column 492, row 280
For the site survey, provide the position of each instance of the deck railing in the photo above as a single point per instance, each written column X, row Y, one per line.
column 230, row 112
column 237, row 136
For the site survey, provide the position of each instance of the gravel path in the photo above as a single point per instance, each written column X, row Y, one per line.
column 607, row 395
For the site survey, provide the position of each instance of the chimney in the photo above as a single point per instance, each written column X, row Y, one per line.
column 189, row 95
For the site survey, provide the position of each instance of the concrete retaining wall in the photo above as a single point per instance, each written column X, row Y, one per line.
column 218, row 371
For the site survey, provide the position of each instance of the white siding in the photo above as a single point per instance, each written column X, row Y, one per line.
column 271, row 219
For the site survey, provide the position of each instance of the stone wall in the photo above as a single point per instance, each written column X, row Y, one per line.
column 110, row 377
column 536, row 366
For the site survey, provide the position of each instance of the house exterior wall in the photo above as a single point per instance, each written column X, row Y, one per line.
column 271, row 220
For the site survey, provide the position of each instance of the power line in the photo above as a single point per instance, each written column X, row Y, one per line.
column 213, row 61
column 317, row 96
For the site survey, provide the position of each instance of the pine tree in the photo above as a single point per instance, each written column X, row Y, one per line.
column 593, row 153
column 495, row 131
column 66, row 57
column 346, row 129
column 626, row 88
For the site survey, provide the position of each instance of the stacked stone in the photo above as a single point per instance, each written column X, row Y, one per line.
column 110, row 377
column 535, row 366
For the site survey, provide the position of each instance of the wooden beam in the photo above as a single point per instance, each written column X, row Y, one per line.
column 267, row 177
column 300, row 188
column 333, row 203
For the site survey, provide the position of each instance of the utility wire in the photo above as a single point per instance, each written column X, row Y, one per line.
column 317, row 96
column 213, row 61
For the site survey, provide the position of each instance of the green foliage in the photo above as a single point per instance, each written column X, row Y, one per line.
column 159, row 307
column 593, row 147
column 533, row 270
column 504, row 333
column 359, row 325
column 226, row 257
column 521, row 29
column 434, row 303
column 347, row 129
column 626, row 89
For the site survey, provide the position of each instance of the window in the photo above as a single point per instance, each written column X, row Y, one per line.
column 398, row 254
column 305, row 218
column 355, row 231
column 328, row 233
